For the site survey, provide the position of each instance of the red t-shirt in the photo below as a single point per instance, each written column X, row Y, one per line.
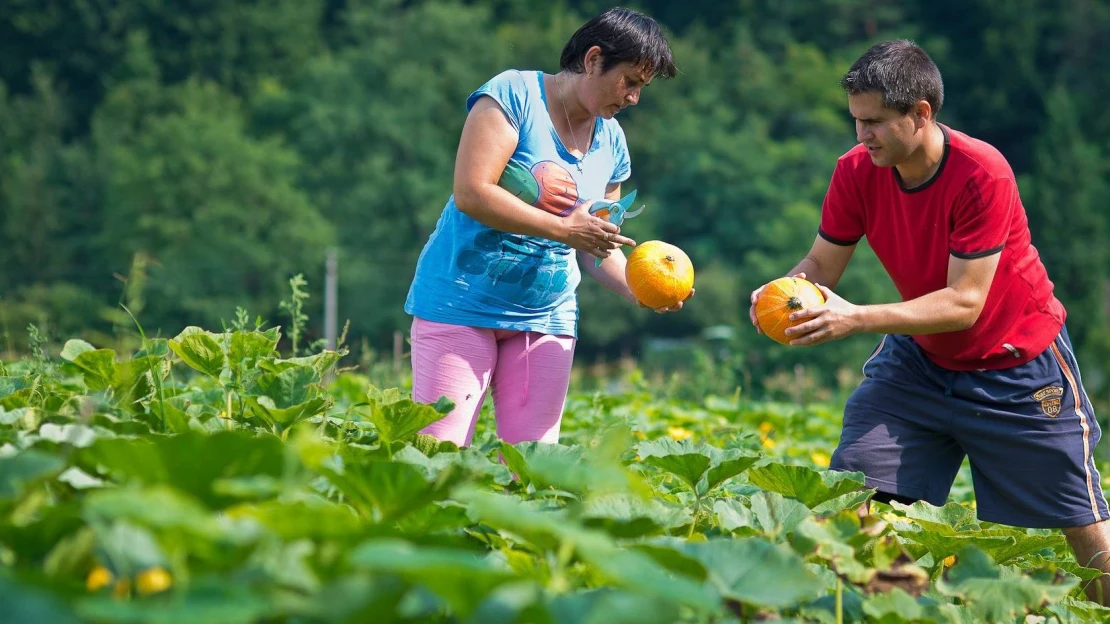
column 969, row 209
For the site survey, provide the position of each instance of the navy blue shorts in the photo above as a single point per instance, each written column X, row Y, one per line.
column 1029, row 433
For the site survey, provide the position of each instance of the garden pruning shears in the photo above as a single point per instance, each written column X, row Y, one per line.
column 616, row 212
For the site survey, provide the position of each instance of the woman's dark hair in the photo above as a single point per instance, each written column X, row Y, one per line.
column 623, row 36
column 901, row 71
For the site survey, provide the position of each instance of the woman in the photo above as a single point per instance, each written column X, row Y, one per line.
column 493, row 298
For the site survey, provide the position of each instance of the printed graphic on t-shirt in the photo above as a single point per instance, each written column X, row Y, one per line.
column 547, row 186
column 502, row 257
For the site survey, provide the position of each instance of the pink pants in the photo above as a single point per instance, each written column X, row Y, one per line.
column 528, row 372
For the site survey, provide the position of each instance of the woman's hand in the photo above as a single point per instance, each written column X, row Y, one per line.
column 675, row 308
column 592, row 235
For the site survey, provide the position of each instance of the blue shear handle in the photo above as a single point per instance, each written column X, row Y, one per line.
column 618, row 212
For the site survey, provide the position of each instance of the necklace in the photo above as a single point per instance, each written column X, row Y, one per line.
column 563, row 100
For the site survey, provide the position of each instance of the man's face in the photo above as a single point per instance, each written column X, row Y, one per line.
column 890, row 136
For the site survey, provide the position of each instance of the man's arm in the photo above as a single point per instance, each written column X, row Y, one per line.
column 955, row 307
column 825, row 262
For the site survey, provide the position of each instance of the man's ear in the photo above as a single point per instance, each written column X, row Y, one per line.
column 922, row 114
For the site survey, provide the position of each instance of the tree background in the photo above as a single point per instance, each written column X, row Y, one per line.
column 186, row 158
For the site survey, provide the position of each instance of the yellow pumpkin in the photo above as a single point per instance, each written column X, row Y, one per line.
column 781, row 298
column 659, row 274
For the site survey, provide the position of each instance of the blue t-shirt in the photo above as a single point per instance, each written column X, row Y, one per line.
column 470, row 274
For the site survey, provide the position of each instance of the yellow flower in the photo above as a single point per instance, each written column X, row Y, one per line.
column 153, row 580
column 949, row 561
column 768, row 443
column 678, row 433
column 765, row 427
column 819, row 459
column 99, row 577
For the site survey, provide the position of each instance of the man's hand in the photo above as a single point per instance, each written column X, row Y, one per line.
column 755, row 295
column 834, row 320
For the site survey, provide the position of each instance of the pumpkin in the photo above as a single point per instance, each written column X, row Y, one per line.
column 781, row 298
column 659, row 274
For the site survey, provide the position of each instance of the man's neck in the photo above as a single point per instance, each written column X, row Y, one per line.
column 923, row 164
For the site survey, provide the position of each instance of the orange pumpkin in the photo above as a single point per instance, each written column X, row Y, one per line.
column 779, row 299
column 659, row 274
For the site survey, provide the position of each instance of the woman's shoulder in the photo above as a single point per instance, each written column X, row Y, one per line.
column 517, row 79
column 612, row 129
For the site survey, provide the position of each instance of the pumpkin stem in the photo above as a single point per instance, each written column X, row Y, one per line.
column 794, row 303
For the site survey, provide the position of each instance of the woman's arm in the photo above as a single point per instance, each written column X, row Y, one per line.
column 488, row 141
column 610, row 273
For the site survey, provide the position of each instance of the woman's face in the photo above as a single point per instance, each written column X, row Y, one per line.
column 606, row 94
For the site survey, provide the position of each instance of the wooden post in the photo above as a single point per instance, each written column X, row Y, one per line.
column 330, row 299
column 398, row 349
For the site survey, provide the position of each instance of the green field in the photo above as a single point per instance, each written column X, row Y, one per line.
column 210, row 478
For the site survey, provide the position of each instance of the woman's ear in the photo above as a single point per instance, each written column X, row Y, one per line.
column 592, row 61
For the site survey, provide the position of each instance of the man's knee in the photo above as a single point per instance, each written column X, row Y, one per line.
column 1088, row 531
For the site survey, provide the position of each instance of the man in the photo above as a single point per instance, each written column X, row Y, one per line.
column 975, row 359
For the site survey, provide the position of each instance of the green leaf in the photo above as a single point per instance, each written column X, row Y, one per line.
column 948, row 520
column 477, row 465
column 681, row 459
column 247, row 348
column 628, row 516
column 266, row 409
column 692, row 462
column 547, row 465
column 835, row 540
column 128, row 548
column 97, row 366
column 1072, row 611
column 73, row 348
column 731, row 463
column 610, row 606
column 755, row 571
column 777, row 515
column 402, row 419
column 209, row 600
column 358, row 597
column 199, row 350
column 665, row 551
column 24, row 469
column 733, row 515
column 1003, row 545
column 894, row 607
column 292, row 386
column 805, row 484
column 155, row 507
column 11, row 385
column 26, row 604
column 386, row 491
column 190, row 462
column 292, row 521
column 995, row 594
column 460, row 577
column 849, row 501
column 319, row 362
column 177, row 421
